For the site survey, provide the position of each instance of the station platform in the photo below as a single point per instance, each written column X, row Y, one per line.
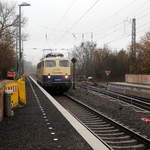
column 139, row 90
column 40, row 126
column 143, row 86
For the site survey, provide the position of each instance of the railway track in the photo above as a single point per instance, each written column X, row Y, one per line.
column 137, row 101
column 111, row 133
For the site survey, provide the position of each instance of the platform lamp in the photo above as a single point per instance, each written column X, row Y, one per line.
column 20, row 71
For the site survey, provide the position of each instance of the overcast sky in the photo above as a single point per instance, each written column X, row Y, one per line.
column 61, row 23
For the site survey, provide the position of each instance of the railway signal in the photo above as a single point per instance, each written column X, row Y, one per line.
column 74, row 60
column 107, row 72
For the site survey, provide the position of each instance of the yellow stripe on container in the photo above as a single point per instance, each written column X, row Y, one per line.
column 22, row 91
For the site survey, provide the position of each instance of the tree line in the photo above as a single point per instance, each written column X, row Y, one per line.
column 9, row 22
column 91, row 60
column 94, row 61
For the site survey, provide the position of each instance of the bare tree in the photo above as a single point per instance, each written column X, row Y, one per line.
column 7, row 53
column 84, row 55
column 143, row 55
column 9, row 21
column 94, row 61
column 8, row 17
column 8, row 24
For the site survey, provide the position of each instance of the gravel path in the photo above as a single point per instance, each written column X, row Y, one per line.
column 120, row 112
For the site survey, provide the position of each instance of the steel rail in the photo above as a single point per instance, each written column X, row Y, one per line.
column 137, row 101
column 113, row 133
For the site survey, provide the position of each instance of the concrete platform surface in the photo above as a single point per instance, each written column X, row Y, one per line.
column 39, row 126
column 131, row 85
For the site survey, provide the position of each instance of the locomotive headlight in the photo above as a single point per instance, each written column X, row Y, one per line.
column 49, row 77
column 66, row 76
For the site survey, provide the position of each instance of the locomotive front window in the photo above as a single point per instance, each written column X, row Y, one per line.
column 64, row 63
column 51, row 63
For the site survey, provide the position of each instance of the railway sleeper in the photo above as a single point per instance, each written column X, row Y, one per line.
column 103, row 125
column 106, row 131
column 117, row 138
column 95, row 124
column 90, row 120
column 122, row 142
column 111, row 134
column 87, row 117
column 130, row 147
column 103, row 128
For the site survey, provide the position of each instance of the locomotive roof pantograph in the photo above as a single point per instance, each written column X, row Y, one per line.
column 54, row 55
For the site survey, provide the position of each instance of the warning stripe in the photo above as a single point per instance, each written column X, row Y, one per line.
column 13, row 88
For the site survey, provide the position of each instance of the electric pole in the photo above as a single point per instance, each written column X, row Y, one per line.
column 134, row 36
column 82, row 37
column 133, row 47
column 91, row 36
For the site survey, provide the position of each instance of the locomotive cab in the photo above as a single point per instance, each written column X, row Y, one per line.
column 55, row 73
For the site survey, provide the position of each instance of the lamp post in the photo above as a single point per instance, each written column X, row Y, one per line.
column 20, row 71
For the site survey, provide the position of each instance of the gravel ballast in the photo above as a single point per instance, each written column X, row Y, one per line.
column 121, row 112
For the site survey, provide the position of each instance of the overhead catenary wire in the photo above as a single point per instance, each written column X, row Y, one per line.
column 142, row 8
column 114, row 31
column 119, row 38
column 116, row 25
column 117, row 12
column 67, row 11
column 111, row 31
column 81, row 17
column 63, row 17
column 143, row 16
column 126, row 36
column 110, row 28
column 84, row 14
column 113, row 15
column 76, row 22
column 143, row 25
column 122, row 36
